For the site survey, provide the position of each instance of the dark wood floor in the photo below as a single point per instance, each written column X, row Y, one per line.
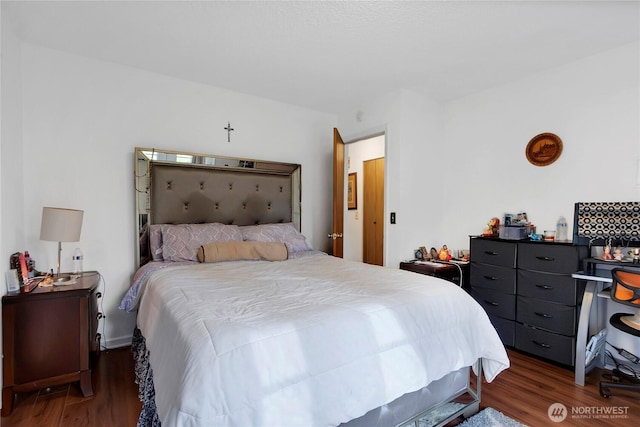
column 523, row 392
column 527, row 389
column 114, row 403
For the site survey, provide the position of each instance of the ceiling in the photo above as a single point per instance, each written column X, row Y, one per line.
column 332, row 55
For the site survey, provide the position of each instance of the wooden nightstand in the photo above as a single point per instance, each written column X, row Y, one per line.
column 49, row 337
column 456, row 273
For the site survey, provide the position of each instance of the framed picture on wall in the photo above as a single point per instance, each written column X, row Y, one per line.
column 352, row 191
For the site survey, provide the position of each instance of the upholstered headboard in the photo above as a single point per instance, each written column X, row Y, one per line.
column 188, row 188
column 195, row 195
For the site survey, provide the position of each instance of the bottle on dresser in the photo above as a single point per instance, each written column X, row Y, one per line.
column 30, row 263
column 77, row 263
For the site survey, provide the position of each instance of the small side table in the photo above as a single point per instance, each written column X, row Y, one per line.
column 455, row 272
column 50, row 337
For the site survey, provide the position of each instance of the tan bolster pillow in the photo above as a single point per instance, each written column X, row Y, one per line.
column 235, row 251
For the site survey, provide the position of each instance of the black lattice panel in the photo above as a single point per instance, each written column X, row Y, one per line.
column 609, row 220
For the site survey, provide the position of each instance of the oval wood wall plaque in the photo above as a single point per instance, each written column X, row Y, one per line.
column 544, row 149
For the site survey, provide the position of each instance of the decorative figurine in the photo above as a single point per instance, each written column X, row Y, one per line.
column 491, row 228
column 607, row 253
column 635, row 253
column 617, row 254
column 444, row 254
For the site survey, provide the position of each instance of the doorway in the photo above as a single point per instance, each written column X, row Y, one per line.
column 358, row 242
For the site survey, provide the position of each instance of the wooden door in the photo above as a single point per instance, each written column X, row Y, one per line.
column 338, row 194
column 373, row 212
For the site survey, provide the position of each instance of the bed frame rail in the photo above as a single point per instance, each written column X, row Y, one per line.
column 463, row 404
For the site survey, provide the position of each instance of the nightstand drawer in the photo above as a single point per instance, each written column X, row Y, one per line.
column 550, row 287
column 547, row 315
column 500, row 279
column 558, row 348
column 549, row 258
column 35, row 345
column 493, row 252
column 496, row 303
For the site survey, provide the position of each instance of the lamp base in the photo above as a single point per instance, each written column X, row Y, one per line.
column 63, row 281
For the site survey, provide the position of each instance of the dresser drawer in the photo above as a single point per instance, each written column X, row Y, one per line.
column 558, row 348
column 493, row 252
column 547, row 315
column 491, row 277
column 549, row 258
column 558, row 288
column 496, row 303
column 506, row 330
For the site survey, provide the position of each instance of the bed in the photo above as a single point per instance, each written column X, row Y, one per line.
column 252, row 337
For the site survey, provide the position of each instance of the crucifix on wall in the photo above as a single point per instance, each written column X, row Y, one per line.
column 229, row 129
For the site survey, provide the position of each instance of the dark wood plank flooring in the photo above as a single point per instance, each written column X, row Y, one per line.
column 114, row 403
column 523, row 392
column 527, row 389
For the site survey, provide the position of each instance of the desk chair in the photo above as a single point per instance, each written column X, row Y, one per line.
column 625, row 289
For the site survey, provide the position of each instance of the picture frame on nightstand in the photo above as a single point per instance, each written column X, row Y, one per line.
column 13, row 284
column 425, row 253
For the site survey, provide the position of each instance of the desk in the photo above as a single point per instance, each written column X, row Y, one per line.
column 592, row 313
column 590, row 321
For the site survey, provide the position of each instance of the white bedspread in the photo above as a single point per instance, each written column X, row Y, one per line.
column 314, row 341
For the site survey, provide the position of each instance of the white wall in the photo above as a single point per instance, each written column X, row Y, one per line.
column 11, row 171
column 452, row 167
column 357, row 153
column 11, row 199
column 82, row 119
column 593, row 105
column 413, row 182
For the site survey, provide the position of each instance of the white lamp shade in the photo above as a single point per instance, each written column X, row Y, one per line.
column 61, row 225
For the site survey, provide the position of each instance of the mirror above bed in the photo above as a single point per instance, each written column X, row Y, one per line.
column 174, row 187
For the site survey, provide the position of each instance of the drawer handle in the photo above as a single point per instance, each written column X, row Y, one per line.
column 495, row 304
column 98, row 294
column 490, row 278
column 491, row 253
column 98, row 337
column 545, row 287
column 546, row 316
column 99, row 316
column 541, row 344
column 546, row 258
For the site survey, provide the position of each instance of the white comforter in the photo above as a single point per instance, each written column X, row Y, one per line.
column 314, row 341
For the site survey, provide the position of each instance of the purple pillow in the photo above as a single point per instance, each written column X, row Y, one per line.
column 181, row 242
column 282, row 233
column 155, row 242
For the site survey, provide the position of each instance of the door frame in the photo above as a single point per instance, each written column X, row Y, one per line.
column 370, row 134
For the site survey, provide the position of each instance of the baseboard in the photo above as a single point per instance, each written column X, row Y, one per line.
column 124, row 341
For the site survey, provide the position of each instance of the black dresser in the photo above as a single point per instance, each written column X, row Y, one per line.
column 527, row 290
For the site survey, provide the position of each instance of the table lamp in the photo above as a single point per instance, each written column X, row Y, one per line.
column 60, row 225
